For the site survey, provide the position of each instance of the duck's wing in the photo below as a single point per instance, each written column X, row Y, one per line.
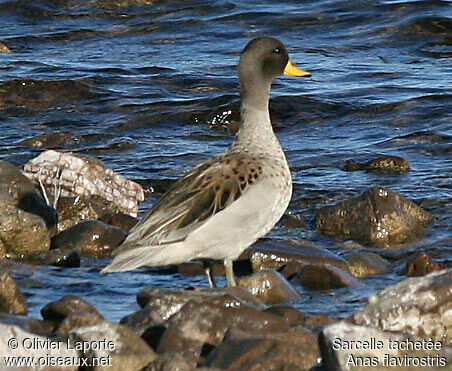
column 206, row 190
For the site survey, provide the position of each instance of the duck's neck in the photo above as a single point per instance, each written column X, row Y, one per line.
column 255, row 118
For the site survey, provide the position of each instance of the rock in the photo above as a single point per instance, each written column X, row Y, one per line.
column 276, row 256
column 85, row 177
column 326, row 276
column 52, row 140
column 379, row 216
column 292, row 221
column 364, row 264
column 392, row 164
column 424, row 307
column 77, row 320
column 197, row 324
column 21, row 233
column 269, row 286
column 73, row 210
column 57, row 311
column 293, row 349
column 25, row 195
column 121, row 347
column 118, row 219
column 350, row 347
column 25, row 348
column 292, row 316
column 11, row 298
column 420, row 265
column 171, row 361
column 4, row 48
column 33, row 325
column 159, row 305
column 90, row 238
column 57, row 257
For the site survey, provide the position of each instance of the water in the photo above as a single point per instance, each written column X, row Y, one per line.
column 151, row 80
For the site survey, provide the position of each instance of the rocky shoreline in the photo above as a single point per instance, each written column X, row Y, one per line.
column 253, row 326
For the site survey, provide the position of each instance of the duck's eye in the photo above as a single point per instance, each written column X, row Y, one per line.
column 277, row 51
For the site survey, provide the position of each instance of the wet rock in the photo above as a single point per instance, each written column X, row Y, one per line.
column 292, row 316
column 123, row 349
column 292, row 221
column 269, row 286
column 294, row 349
column 85, row 177
column 52, row 140
column 25, row 195
column 379, row 216
column 43, row 94
column 78, row 320
column 424, row 307
column 90, row 238
column 420, row 265
column 350, row 347
column 364, row 264
column 277, row 255
column 57, row 311
column 118, row 219
column 159, row 304
column 4, row 48
column 33, row 325
column 11, row 298
column 25, row 348
column 73, row 210
column 58, row 258
column 171, row 361
column 21, row 233
column 326, row 276
column 392, row 164
column 197, row 324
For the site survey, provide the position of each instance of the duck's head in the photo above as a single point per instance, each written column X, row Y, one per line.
column 262, row 60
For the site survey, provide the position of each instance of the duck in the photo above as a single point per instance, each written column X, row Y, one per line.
column 225, row 204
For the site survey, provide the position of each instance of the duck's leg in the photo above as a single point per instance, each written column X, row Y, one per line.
column 229, row 272
column 208, row 268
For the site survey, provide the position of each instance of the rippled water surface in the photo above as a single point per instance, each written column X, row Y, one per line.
column 149, row 87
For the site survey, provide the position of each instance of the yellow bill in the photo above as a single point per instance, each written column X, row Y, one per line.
column 292, row 70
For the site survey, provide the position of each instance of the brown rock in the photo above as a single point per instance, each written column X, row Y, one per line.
column 423, row 307
column 57, row 257
column 123, row 349
column 159, row 305
column 269, row 286
column 379, row 216
column 90, row 238
column 11, row 298
column 420, row 265
column 73, row 210
column 77, row 320
column 4, row 48
column 326, row 276
column 391, row 164
column 24, row 194
column 52, row 140
column 21, row 233
column 57, row 311
column 292, row 349
column 197, row 324
column 364, row 264
column 277, row 255
column 118, row 219
column 292, row 316
column 33, row 325
column 25, row 341
column 171, row 361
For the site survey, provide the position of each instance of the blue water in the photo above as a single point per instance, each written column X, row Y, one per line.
column 159, row 77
